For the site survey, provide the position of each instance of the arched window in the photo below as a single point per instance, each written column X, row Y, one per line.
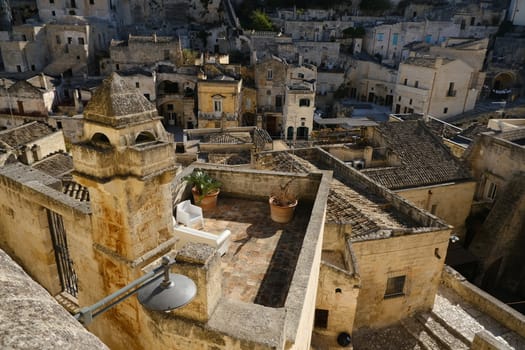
column 144, row 136
column 100, row 140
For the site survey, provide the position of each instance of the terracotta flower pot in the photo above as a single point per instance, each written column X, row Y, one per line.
column 281, row 214
column 208, row 202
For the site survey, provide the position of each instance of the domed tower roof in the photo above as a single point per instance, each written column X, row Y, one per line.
column 117, row 104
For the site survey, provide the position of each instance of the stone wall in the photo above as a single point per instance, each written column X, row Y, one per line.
column 418, row 257
column 25, row 194
column 450, row 202
column 483, row 301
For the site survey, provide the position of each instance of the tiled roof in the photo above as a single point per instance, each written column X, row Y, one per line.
column 56, row 165
column 24, row 134
column 368, row 217
column 425, row 160
column 223, row 138
column 75, row 190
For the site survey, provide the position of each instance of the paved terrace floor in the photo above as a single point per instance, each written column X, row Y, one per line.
column 259, row 264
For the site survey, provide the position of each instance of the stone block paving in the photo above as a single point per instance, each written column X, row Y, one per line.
column 259, row 264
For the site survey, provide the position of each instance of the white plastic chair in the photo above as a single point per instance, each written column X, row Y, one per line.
column 189, row 214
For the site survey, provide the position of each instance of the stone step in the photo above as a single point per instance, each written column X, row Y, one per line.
column 418, row 331
column 441, row 334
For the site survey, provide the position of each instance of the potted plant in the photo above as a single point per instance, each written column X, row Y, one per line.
column 282, row 203
column 205, row 189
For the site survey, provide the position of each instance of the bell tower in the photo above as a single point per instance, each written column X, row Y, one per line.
column 127, row 161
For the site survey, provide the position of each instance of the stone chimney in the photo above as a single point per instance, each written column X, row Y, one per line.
column 202, row 264
column 300, row 60
column 154, row 37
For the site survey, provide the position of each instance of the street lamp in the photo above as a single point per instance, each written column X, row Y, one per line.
column 171, row 292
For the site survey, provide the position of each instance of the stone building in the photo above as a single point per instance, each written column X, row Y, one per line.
column 32, row 97
column 219, row 102
column 366, row 278
column 26, row 50
column 58, row 9
column 439, row 87
column 138, row 52
column 176, row 95
column 30, row 142
column 280, row 88
column 496, row 159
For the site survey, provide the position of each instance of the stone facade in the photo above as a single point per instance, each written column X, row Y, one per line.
column 219, row 102
column 439, row 87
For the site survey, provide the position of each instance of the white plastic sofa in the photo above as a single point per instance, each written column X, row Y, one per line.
column 189, row 214
column 219, row 241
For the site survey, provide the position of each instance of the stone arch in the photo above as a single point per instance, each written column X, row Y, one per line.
column 504, row 80
column 145, row 136
column 100, row 140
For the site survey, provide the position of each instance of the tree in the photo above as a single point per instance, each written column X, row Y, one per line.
column 260, row 21
column 351, row 32
column 375, row 6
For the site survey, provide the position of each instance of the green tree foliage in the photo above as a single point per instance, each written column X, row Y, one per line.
column 260, row 21
column 375, row 6
column 351, row 32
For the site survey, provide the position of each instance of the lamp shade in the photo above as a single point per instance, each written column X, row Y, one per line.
column 162, row 295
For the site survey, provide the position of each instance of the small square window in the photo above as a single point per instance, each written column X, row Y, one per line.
column 405, row 82
column 416, row 84
column 147, row 96
column 53, row 13
column 395, row 286
column 137, row 84
column 81, row 41
column 321, row 318
column 304, row 102
column 410, row 102
column 399, row 98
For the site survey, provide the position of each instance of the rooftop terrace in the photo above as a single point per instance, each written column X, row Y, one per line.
column 259, row 264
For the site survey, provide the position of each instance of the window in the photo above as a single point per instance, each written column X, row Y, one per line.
column 395, row 38
column 69, row 40
column 451, row 92
column 269, row 74
column 170, row 107
column 166, row 54
column 53, row 13
column 472, row 20
column 395, row 286
column 304, row 102
column 321, row 318
column 51, row 1
column 92, row 2
column 445, row 110
column 217, row 106
column 300, row 75
column 147, row 96
column 405, row 82
column 399, row 98
column 78, row 57
column 117, row 66
column 268, row 92
column 137, row 84
column 18, row 68
column 410, row 102
column 428, row 38
column 24, row 37
column 380, row 36
column 33, row 67
column 74, row 4
column 433, row 209
column 81, row 41
column 416, row 84
column 58, row 39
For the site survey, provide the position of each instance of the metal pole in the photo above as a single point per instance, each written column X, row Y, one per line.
column 87, row 314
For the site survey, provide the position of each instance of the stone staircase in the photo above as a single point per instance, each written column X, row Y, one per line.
column 434, row 334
